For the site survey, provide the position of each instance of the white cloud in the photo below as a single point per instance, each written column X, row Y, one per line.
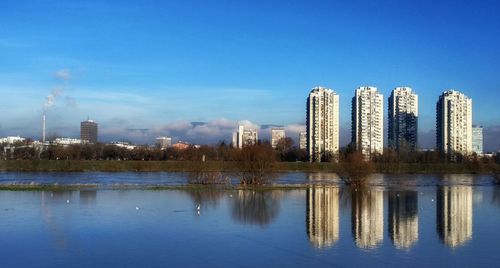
column 63, row 74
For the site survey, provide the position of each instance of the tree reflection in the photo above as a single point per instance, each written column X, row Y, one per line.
column 367, row 216
column 206, row 197
column 323, row 216
column 403, row 218
column 256, row 207
column 454, row 213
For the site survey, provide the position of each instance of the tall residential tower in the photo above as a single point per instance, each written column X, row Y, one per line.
column 367, row 130
column 322, row 123
column 454, row 124
column 403, row 119
column 88, row 131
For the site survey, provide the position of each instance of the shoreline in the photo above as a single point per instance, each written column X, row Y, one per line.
column 229, row 167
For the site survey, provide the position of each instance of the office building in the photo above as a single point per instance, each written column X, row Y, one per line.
column 477, row 139
column 403, row 120
column 276, row 135
column 368, row 122
column 454, row 124
column 322, row 124
column 88, row 131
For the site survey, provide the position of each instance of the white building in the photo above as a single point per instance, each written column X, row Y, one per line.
column 403, row 119
column 454, row 124
column 303, row 140
column 322, row 123
column 66, row 141
column 368, row 121
column 245, row 137
column 164, row 142
column 11, row 139
column 276, row 135
column 477, row 139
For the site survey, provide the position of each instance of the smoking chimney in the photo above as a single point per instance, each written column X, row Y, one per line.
column 43, row 128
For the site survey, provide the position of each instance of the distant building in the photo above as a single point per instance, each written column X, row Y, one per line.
column 368, row 121
column 125, row 145
column 66, row 141
column 180, row 146
column 303, row 140
column 88, row 131
column 477, row 139
column 164, row 142
column 454, row 124
column 11, row 139
column 322, row 123
column 276, row 135
column 245, row 137
column 403, row 119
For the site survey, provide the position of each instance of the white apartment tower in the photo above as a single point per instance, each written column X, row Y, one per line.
column 276, row 135
column 245, row 137
column 322, row 123
column 368, row 121
column 403, row 119
column 454, row 124
column 303, row 140
column 477, row 139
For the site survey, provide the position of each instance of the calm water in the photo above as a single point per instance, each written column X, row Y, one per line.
column 451, row 221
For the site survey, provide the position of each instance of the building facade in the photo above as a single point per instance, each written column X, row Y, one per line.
column 88, row 131
column 367, row 130
column 164, row 142
column 454, row 124
column 403, row 119
column 322, row 124
column 245, row 137
column 276, row 135
column 477, row 139
column 303, row 140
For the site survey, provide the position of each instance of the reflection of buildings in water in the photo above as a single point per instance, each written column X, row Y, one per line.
column 88, row 197
column 256, row 207
column 403, row 218
column 454, row 214
column 49, row 200
column 495, row 198
column 319, row 177
column 323, row 216
column 367, row 217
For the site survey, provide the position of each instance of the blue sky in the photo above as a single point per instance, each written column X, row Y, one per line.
column 145, row 64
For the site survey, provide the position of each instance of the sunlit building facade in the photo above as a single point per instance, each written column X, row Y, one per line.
column 367, row 132
column 454, row 124
column 276, row 135
column 322, row 123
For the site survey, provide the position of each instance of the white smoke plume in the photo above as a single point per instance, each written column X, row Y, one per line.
column 50, row 101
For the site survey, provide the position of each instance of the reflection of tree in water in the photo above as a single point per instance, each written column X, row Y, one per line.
column 256, row 207
column 206, row 197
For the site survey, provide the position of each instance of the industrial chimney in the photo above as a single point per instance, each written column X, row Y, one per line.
column 43, row 128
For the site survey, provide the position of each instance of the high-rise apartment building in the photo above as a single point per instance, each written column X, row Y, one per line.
column 303, row 140
column 403, row 119
column 454, row 124
column 276, row 135
column 368, row 121
column 88, row 131
column 164, row 142
column 477, row 139
column 245, row 137
column 322, row 123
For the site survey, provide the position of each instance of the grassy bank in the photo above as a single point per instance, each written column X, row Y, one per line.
column 187, row 166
